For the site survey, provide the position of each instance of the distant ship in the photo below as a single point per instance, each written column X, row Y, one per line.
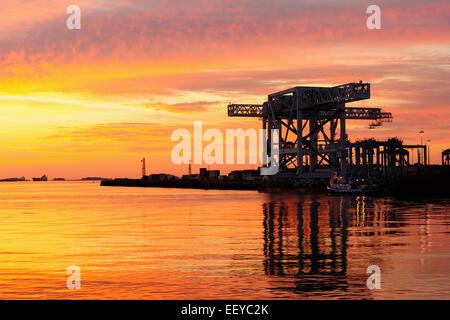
column 43, row 178
column 13, row 179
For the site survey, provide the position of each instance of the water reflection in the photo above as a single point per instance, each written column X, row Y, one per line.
column 307, row 239
column 145, row 243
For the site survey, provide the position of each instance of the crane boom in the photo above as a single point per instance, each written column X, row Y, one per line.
column 257, row 110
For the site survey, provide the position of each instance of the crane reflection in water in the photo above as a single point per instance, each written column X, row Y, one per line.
column 308, row 241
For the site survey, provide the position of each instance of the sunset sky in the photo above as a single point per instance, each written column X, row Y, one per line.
column 93, row 102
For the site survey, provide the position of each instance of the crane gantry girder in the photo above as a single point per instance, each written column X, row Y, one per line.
column 361, row 113
column 245, row 110
column 349, row 92
column 310, row 97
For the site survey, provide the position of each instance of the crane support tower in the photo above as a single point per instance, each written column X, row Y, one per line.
column 308, row 119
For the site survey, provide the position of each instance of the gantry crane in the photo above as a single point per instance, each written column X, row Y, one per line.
column 301, row 152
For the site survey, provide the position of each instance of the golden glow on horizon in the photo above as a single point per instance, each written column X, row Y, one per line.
column 63, row 99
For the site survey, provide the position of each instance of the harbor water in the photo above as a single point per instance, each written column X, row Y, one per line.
column 155, row 243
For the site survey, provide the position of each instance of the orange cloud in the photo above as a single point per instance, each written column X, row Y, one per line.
column 138, row 69
column 183, row 107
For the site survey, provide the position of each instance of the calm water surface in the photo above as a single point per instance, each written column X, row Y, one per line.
column 146, row 243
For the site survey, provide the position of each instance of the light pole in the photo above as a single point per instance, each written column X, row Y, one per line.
column 421, row 144
column 428, row 147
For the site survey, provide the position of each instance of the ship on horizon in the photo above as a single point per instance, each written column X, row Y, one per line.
column 43, row 178
column 13, row 179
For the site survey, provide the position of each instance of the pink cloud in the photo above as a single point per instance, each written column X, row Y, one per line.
column 136, row 29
